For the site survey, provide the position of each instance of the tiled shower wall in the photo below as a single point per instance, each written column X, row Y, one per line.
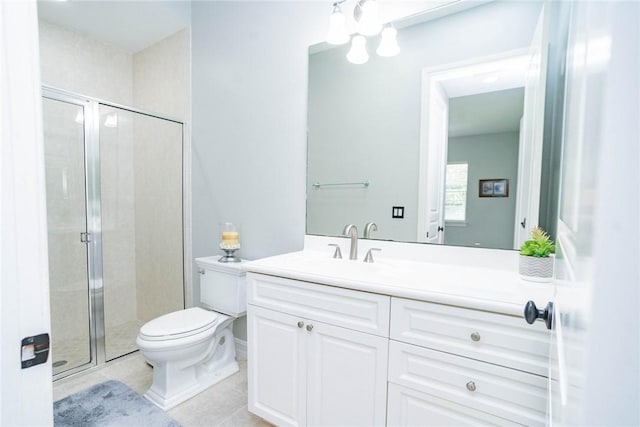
column 154, row 79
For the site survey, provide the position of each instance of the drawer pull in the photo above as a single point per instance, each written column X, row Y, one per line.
column 475, row 337
column 471, row 386
column 309, row 328
column 300, row 323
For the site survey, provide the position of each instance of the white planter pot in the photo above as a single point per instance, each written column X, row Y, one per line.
column 536, row 269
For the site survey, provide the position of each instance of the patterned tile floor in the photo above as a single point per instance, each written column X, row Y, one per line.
column 223, row 405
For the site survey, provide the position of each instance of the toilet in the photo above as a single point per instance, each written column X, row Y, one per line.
column 192, row 349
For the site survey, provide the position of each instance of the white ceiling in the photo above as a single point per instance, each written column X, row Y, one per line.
column 130, row 25
column 491, row 112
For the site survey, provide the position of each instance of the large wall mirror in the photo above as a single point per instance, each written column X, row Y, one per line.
column 465, row 106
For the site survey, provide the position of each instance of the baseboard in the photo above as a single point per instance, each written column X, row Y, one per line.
column 241, row 349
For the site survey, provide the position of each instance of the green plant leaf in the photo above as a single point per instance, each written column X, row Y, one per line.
column 539, row 245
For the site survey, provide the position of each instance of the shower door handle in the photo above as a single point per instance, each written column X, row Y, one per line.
column 85, row 237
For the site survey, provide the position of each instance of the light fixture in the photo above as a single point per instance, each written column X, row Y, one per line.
column 337, row 33
column 368, row 23
column 111, row 121
column 358, row 52
column 368, row 18
column 388, row 43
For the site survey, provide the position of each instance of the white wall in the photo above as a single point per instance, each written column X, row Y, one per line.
column 489, row 222
column 79, row 64
column 364, row 120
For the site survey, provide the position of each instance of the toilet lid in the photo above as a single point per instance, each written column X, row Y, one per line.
column 179, row 324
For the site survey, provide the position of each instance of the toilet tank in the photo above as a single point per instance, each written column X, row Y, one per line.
column 223, row 286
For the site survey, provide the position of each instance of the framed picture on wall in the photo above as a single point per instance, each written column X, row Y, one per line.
column 493, row 188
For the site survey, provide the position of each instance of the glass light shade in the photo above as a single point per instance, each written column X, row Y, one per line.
column 111, row 121
column 388, row 43
column 358, row 52
column 337, row 33
column 369, row 24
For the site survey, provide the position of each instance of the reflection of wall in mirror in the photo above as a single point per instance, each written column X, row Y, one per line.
column 489, row 220
column 364, row 120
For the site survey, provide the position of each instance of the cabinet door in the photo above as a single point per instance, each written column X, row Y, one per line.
column 347, row 377
column 408, row 407
column 276, row 366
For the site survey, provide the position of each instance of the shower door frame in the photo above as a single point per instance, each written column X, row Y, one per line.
column 93, row 210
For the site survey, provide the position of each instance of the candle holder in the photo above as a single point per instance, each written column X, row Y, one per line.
column 229, row 242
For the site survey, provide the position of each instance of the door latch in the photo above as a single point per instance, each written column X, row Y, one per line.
column 34, row 350
column 85, row 237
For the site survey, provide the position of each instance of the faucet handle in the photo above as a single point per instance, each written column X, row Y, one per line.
column 369, row 256
column 338, row 253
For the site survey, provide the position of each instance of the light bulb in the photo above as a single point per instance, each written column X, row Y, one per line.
column 358, row 52
column 388, row 43
column 111, row 121
column 337, row 33
column 369, row 24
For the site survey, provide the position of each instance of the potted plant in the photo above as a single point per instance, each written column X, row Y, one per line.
column 536, row 262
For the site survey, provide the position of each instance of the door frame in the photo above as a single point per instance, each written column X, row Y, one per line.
column 92, row 226
column 25, row 394
column 432, row 79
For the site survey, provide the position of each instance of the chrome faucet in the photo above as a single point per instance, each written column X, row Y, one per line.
column 368, row 228
column 350, row 230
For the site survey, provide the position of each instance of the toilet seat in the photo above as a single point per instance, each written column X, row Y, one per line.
column 179, row 324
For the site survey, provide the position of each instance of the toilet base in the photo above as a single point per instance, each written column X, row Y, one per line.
column 204, row 383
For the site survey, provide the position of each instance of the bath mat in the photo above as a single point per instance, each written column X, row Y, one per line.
column 112, row 404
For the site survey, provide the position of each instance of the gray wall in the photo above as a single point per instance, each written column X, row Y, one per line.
column 490, row 220
column 249, row 124
column 364, row 120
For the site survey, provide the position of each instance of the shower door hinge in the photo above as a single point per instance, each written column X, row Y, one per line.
column 85, row 237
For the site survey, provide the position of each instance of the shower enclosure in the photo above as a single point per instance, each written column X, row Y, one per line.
column 114, row 184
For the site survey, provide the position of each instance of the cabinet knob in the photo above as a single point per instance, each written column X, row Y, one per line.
column 309, row 327
column 471, row 386
column 300, row 323
column 475, row 336
column 531, row 313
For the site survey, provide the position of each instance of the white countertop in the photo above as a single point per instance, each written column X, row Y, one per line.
column 476, row 287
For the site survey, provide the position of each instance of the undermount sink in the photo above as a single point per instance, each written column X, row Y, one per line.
column 389, row 272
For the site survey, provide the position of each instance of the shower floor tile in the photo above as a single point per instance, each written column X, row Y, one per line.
column 121, row 339
column 70, row 353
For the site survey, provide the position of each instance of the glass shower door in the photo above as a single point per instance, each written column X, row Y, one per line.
column 141, row 211
column 115, row 225
column 64, row 142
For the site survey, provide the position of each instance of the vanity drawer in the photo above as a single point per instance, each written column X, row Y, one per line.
column 347, row 308
column 408, row 407
column 490, row 337
column 506, row 393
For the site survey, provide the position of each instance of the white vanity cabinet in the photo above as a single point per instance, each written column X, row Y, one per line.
column 317, row 354
column 455, row 366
